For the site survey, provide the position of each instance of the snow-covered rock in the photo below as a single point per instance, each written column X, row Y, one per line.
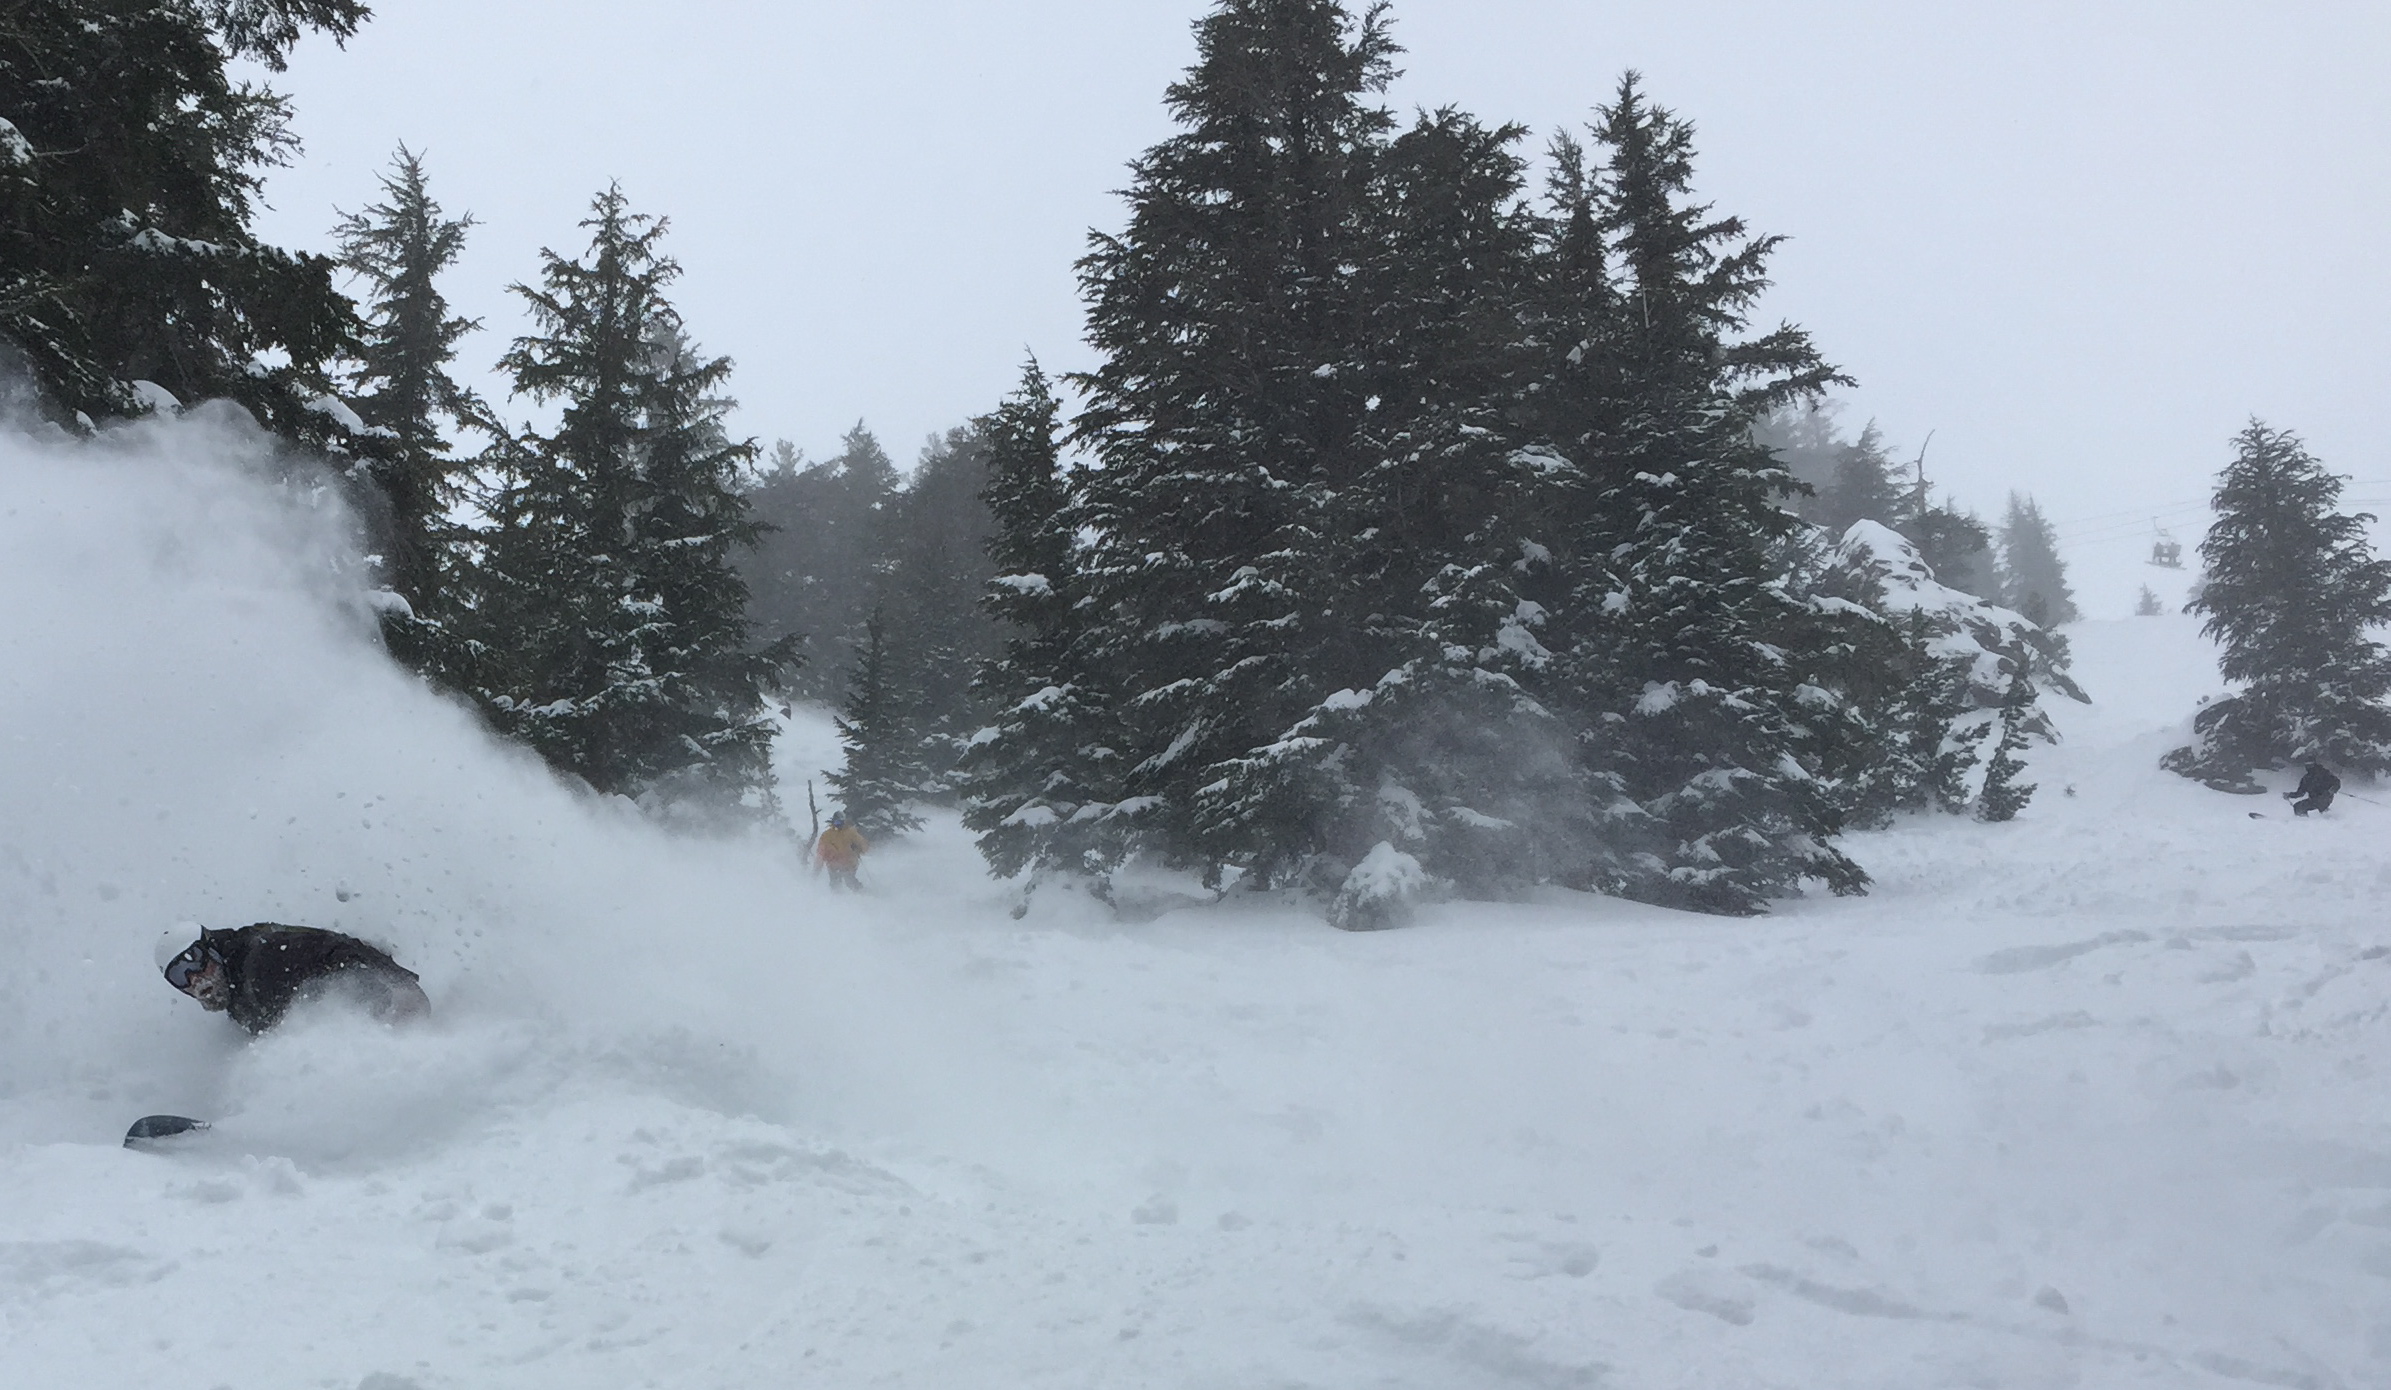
column 1995, row 640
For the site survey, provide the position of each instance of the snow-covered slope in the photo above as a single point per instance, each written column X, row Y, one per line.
column 2083, row 1100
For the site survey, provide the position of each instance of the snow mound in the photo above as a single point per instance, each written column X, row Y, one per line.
column 1381, row 891
column 1996, row 641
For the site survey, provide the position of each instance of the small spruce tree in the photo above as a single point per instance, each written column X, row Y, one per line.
column 2033, row 577
column 883, row 774
column 2294, row 596
column 2003, row 795
column 1862, row 487
column 1919, row 760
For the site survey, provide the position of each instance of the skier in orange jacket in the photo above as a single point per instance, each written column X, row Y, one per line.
column 840, row 850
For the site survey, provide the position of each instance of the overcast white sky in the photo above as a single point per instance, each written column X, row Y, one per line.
column 2079, row 240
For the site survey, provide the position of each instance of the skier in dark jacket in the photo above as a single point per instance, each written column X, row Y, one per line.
column 256, row 973
column 2316, row 790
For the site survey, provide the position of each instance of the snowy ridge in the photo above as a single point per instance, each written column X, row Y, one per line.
column 2079, row 1101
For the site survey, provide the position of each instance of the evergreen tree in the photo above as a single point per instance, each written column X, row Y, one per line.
column 883, row 773
column 1429, row 741
column 1046, row 754
column 1225, row 413
column 2003, row 795
column 2147, row 605
column 1954, row 544
column 400, row 382
column 932, row 576
column 1805, row 439
column 2033, row 578
column 130, row 166
column 607, row 600
column 1863, row 487
column 817, row 571
column 1931, row 757
column 2294, row 595
column 1910, row 742
column 1687, row 671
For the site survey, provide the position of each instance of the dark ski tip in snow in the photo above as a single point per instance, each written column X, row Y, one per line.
column 150, row 1131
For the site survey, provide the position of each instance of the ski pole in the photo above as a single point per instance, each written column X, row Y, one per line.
column 813, row 844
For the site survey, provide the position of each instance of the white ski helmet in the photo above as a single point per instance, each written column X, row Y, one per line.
column 175, row 940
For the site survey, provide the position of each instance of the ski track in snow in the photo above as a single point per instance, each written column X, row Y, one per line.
column 2084, row 1100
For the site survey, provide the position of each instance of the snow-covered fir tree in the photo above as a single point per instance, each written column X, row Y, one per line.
column 1932, row 678
column 400, row 381
column 2296, row 598
column 1429, row 546
column 1685, row 672
column 1045, row 756
column 883, row 773
column 1934, row 744
column 131, row 162
column 1966, row 663
column 2033, row 577
column 1426, row 739
column 1996, row 641
column 1910, row 740
column 1225, row 413
column 2147, row 604
column 606, row 604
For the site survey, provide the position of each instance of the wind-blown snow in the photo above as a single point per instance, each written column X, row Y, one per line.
column 2084, row 1100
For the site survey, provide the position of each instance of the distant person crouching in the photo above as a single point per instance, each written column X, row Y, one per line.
column 256, row 973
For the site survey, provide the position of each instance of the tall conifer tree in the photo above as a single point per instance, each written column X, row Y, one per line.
column 607, row 599
column 1047, row 753
column 1427, row 738
column 130, row 166
column 401, row 380
column 1227, row 409
column 1688, row 674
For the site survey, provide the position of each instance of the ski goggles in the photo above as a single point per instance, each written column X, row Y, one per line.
column 183, row 968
